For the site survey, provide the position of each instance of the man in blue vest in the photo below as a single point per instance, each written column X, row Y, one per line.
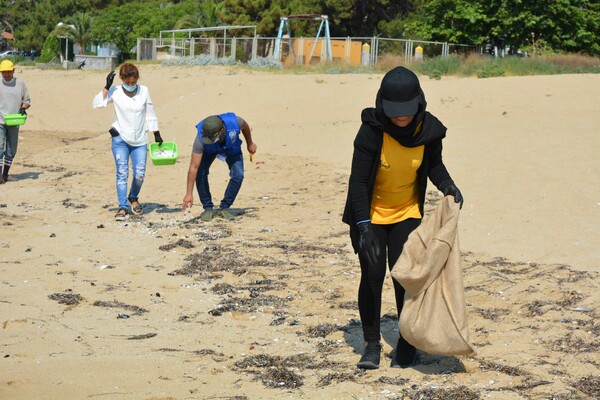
column 218, row 137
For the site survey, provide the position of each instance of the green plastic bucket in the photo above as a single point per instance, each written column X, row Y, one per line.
column 164, row 155
column 14, row 119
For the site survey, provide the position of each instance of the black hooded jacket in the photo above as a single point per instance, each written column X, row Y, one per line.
column 367, row 155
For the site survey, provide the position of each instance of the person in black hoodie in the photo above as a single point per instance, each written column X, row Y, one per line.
column 396, row 150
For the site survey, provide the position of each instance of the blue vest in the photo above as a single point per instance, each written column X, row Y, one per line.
column 233, row 143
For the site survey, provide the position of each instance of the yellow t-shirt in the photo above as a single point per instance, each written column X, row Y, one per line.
column 395, row 196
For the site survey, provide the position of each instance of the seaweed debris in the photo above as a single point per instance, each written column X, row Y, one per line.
column 505, row 369
column 66, row 298
column 589, row 385
column 186, row 244
column 493, row 313
column 458, row 393
column 322, row 330
column 340, row 377
column 142, row 336
column 281, row 378
column 253, row 304
column 117, row 304
column 218, row 259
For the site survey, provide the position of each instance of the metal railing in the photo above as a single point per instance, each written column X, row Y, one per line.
column 246, row 48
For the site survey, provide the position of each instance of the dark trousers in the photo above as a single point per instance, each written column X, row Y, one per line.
column 236, row 176
column 391, row 242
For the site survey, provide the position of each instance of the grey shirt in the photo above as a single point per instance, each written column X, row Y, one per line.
column 12, row 94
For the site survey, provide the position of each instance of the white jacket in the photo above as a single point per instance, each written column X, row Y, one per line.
column 134, row 116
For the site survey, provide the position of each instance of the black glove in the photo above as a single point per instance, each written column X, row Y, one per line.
column 22, row 111
column 368, row 244
column 453, row 191
column 109, row 79
column 157, row 138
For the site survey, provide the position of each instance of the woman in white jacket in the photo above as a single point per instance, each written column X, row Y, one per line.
column 134, row 116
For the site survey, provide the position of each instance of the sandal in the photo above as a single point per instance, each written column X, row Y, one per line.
column 135, row 208
column 121, row 215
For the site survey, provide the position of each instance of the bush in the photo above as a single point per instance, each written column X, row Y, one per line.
column 50, row 50
column 201, row 59
column 490, row 70
column 265, row 62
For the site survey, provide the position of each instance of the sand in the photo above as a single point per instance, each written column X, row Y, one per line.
column 164, row 306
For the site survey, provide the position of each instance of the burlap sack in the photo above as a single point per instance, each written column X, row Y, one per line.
column 434, row 316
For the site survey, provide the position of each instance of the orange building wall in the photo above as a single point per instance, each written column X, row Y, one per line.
column 338, row 51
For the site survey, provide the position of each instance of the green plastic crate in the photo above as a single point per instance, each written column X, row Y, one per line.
column 14, row 119
column 164, row 155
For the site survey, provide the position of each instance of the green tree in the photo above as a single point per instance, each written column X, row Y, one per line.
column 78, row 29
column 557, row 25
column 124, row 24
column 207, row 16
column 362, row 17
column 265, row 14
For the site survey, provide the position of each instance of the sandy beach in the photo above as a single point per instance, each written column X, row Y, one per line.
column 164, row 306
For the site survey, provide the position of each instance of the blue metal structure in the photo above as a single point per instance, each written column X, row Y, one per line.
column 284, row 24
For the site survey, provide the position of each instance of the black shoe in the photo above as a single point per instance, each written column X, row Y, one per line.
column 405, row 356
column 371, row 356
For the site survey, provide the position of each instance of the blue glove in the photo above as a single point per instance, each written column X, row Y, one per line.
column 368, row 244
column 452, row 190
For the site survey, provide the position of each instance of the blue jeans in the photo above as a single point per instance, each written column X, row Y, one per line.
column 9, row 140
column 122, row 151
column 236, row 176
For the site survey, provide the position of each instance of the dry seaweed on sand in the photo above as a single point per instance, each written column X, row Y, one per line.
column 66, row 298
column 570, row 344
column 218, row 259
column 322, row 330
column 396, row 381
column 505, row 369
column 223, row 288
column 186, row 244
column 299, row 361
column 328, row 346
column 258, row 361
column 142, row 336
column 279, row 372
column 337, row 377
column 457, row 393
column 305, row 361
column 281, row 378
column 208, row 352
column 117, row 304
column 302, row 249
column 252, row 304
column 538, row 307
column 589, row 385
column 276, row 375
column 69, row 203
column 571, row 298
column 349, row 305
column 492, row 314
column 262, row 285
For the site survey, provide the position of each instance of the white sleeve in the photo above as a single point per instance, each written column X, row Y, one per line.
column 101, row 101
column 151, row 118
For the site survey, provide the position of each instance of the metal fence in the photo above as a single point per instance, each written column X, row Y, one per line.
column 246, row 48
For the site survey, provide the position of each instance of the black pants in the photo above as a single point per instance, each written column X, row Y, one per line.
column 391, row 242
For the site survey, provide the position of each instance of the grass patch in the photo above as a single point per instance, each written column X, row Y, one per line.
column 487, row 67
column 472, row 65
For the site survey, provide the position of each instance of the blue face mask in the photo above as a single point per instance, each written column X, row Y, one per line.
column 130, row 88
